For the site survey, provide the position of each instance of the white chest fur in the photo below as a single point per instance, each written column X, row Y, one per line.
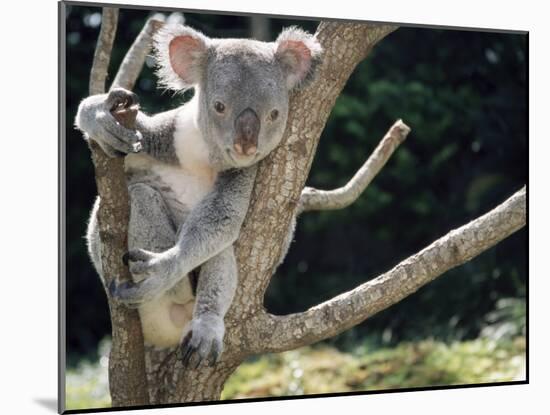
column 189, row 144
column 193, row 178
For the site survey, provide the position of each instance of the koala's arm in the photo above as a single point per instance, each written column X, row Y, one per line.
column 212, row 226
column 154, row 135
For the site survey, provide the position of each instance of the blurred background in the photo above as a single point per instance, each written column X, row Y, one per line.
column 464, row 95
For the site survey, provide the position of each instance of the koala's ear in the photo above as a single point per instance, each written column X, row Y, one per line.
column 181, row 54
column 299, row 54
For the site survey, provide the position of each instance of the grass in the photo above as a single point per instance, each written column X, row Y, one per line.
column 426, row 363
column 323, row 369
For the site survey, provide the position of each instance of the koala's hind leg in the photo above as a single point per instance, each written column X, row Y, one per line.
column 215, row 290
column 151, row 227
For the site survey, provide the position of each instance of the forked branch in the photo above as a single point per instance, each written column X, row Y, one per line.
column 279, row 333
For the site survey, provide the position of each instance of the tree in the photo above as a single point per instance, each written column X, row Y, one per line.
column 139, row 376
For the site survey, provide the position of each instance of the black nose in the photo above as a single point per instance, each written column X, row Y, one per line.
column 247, row 127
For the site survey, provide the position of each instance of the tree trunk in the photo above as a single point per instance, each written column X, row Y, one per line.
column 278, row 196
column 170, row 383
column 127, row 380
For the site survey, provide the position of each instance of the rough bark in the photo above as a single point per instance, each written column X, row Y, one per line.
column 127, row 380
column 277, row 197
column 169, row 382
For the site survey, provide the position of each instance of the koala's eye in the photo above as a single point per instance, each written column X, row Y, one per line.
column 219, row 107
column 274, row 115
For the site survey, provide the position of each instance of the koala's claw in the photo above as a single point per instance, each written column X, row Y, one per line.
column 120, row 97
column 140, row 262
column 195, row 349
column 116, row 292
column 186, row 352
column 213, row 356
column 138, row 255
column 155, row 267
column 112, row 288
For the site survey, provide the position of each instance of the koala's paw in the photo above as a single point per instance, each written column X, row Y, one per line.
column 153, row 273
column 104, row 117
column 144, row 264
column 125, row 293
column 203, row 342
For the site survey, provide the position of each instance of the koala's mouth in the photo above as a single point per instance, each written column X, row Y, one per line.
column 242, row 159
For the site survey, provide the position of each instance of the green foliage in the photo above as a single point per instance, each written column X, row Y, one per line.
column 507, row 320
column 323, row 369
column 314, row 370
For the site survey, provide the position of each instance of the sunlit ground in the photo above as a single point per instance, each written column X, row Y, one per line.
column 324, row 369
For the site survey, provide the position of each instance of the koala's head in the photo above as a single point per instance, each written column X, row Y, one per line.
column 242, row 86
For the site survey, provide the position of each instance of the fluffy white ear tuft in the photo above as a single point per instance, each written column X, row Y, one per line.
column 181, row 56
column 299, row 53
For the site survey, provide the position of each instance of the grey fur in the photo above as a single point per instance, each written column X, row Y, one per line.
column 217, row 284
column 168, row 237
column 294, row 34
column 158, row 135
column 211, row 227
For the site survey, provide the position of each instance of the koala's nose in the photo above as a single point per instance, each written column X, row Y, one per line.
column 247, row 127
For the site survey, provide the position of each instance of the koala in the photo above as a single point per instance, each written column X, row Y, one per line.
column 190, row 174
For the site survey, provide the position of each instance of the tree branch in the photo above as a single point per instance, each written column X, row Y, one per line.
column 279, row 333
column 134, row 59
column 102, row 54
column 127, row 378
column 314, row 199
